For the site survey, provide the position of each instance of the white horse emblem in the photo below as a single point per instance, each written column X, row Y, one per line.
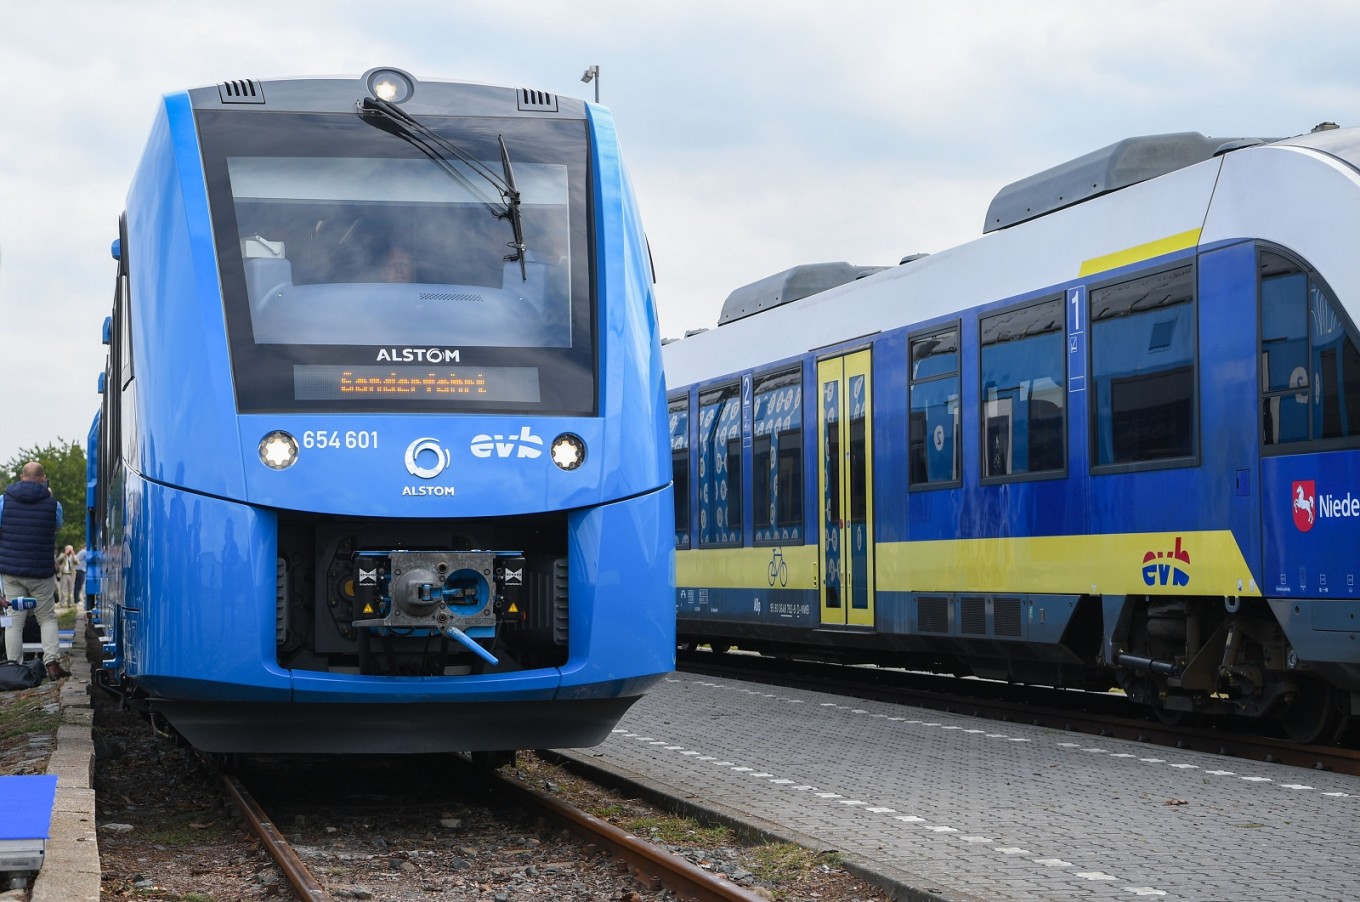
column 1303, row 503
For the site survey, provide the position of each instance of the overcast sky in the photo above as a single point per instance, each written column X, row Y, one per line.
column 759, row 135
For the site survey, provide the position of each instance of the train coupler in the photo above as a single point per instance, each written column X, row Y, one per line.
column 462, row 595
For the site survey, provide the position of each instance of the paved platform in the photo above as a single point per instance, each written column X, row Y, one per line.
column 951, row 807
column 71, row 871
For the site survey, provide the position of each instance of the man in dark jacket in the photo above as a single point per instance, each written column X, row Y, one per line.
column 29, row 519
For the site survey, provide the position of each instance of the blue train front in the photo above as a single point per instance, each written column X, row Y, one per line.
column 382, row 460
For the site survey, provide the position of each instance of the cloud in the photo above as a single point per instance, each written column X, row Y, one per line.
column 760, row 135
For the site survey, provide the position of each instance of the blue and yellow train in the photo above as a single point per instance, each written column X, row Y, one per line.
column 381, row 463
column 1114, row 442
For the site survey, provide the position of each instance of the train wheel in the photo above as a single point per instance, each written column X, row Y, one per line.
column 1313, row 715
column 720, row 648
column 1169, row 717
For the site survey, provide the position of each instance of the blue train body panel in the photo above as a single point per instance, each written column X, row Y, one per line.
column 619, row 628
column 169, row 234
column 202, row 584
column 383, row 423
column 1310, row 516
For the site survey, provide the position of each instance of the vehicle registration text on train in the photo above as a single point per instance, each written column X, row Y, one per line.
column 334, row 438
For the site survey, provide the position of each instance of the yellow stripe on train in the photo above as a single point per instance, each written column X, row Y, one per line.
column 1140, row 252
column 783, row 567
column 1151, row 563
column 1154, row 563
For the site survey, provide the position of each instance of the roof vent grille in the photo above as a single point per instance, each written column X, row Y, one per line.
column 246, row 90
column 537, row 101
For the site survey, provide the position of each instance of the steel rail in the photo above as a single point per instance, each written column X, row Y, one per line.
column 651, row 864
column 299, row 877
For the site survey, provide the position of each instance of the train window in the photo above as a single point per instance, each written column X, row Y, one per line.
column 679, row 425
column 935, row 415
column 358, row 274
column 777, row 459
column 1310, row 361
column 1143, row 369
column 124, row 330
column 720, row 488
column 1023, row 373
column 858, row 460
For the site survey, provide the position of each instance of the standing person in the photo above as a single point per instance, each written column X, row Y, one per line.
column 80, row 575
column 29, row 519
column 66, row 576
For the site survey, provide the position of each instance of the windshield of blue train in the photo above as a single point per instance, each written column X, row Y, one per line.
column 359, row 273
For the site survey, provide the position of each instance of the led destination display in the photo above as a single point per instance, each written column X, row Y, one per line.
column 493, row 384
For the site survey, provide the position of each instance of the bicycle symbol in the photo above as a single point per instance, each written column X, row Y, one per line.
column 778, row 569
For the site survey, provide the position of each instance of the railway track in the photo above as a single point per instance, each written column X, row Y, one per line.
column 1080, row 712
column 408, row 829
column 653, row 867
column 304, row 883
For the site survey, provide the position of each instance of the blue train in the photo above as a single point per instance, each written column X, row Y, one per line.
column 1114, row 442
column 381, row 462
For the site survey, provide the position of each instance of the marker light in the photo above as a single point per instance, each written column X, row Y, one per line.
column 568, row 451
column 278, row 450
column 392, row 85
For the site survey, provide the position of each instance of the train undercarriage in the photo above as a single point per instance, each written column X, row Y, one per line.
column 1229, row 656
column 1182, row 657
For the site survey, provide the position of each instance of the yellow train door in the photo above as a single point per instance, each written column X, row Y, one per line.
column 845, row 489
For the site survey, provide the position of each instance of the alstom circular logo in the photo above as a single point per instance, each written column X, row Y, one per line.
column 419, row 454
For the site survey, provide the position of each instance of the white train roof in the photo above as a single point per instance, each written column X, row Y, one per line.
column 1303, row 194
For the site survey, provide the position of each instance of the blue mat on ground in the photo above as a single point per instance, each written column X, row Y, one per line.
column 27, row 804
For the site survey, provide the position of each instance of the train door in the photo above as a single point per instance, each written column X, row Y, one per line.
column 845, row 477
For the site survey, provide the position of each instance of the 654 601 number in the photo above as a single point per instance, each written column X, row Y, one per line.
column 334, row 438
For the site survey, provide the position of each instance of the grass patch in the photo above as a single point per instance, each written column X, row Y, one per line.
column 677, row 831
column 23, row 718
column 609, row 813
column 26, row 715
column 778, row 863
column 66, row 618
column 30, row 723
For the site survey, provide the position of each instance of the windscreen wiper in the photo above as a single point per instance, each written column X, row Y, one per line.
column 392, row 118
column 517, row 224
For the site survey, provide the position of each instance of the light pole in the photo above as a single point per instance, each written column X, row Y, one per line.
column 593, row 74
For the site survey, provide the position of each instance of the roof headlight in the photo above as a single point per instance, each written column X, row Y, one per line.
column 392, row 85
column 278, row 450
column 568, row 451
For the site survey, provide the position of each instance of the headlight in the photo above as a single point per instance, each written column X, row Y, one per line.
column 392, row 85
column 278, row 450
column 568, row 451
